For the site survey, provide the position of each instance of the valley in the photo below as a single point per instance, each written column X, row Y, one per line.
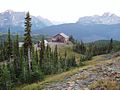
column 35, row 54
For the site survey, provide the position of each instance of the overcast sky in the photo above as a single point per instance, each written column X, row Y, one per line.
column 62, row 10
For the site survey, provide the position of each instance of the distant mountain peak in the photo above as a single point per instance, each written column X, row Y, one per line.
column 8, row 11
column 16, row 19
column 106, row 18
column 108, row 14
column 44, row 20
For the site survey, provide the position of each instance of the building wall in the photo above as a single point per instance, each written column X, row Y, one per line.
column 59, row 38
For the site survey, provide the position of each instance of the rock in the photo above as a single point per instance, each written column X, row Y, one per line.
column 86, row 89
column 84, row 78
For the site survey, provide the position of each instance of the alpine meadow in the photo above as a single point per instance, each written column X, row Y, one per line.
column 59, row 45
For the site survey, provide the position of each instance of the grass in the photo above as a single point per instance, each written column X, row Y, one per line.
column 65, row 47
column 106, row 84
column 69, row 52
column 60, row 77
column 97, row 60
column 50, row 79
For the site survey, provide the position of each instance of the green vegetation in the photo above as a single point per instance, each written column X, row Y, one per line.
column 97, row 60
column 35, row 38
column 24, row 65
column 96, row 48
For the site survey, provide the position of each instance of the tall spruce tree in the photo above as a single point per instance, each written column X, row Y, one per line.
column 9, row 45
column 83, row 49
column 1, row 51
column 110, row 47
column 16, row 55
column 6, row 82
column 56, row 58
column 28, row 40
column 42, row 50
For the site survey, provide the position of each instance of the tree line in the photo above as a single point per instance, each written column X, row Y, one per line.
column 88, row 50
column 19, row 65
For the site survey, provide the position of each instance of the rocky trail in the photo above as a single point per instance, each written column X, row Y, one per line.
column 86, row 79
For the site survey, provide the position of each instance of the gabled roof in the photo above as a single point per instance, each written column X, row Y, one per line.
column 62, row 34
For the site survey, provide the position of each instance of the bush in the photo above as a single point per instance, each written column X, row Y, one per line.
column 37, row 75
column 82, row 59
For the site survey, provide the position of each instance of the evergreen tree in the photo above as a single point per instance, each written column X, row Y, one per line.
column 28, row 40
column 47, row 61
column 72, row 39
column 52, row 62
column 4, row 52
column 83, row 49
column 37, row 73
column 56, row 58
column 9, row 45
column 6, row 82
column 12, row 71
column 65, row 54
column 82, row 59
column 24, row 73
column 73, row 62
column 110, row 46
column 36, row 56
column 2, row 55
column 79, row 47
column 42, row 50
column 16, row 56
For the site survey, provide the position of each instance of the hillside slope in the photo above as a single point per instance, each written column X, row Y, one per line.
column 84, row 32
column 100, row 69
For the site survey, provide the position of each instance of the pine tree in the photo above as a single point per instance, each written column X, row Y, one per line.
column 82, row 59
column 110, row 47
column 9, row 46
column 24, row 73
column 42, row 50
column 16, row 56
column 83, row 49
column 36, row 56
column 79, row 47
column 4, row 53
column 56, row 53
column 28, row 40
column 36, row 72
column 6, row 83
column 65, row 61
column 56, row 58
column 65, row 54
column 73, row 63
column 1, row 51
column 72, row 39
column 12, row 71
column 52, row 62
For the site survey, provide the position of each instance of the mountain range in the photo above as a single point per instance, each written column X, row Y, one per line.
column 15, row 20
column 106, row 18
column 88, row 28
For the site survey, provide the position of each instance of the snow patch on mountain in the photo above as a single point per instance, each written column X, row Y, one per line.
column 106, row 18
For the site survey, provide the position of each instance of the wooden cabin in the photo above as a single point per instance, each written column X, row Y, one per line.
column 60, row 38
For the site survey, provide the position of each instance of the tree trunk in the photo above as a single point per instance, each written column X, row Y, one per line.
column 29, row 59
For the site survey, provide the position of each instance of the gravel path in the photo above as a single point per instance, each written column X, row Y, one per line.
column 85, row 77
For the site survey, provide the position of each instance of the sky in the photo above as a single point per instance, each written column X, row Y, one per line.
column 62, row 10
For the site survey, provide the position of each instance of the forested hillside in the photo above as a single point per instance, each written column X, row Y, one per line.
column 26, row 65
